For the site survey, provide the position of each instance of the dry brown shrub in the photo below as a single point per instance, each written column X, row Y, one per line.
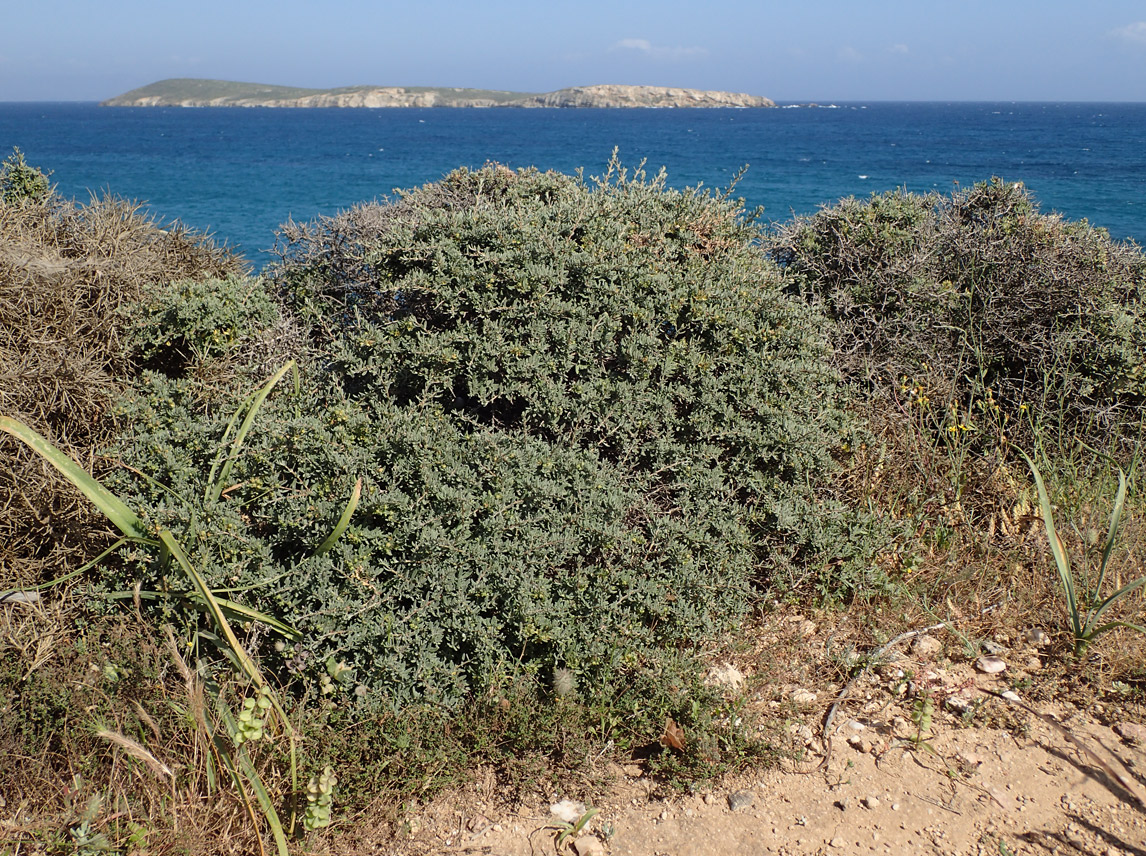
column 66, row 272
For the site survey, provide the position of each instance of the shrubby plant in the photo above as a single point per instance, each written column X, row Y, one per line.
column 586, row 418
column 21, row 183
column 1039, row 318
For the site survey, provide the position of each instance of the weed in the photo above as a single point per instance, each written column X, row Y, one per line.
column 1085, row 609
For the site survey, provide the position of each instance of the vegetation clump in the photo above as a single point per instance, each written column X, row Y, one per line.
column 586, row 419
column 985, row 298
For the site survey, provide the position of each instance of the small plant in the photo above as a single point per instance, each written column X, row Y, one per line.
column 20, row 183
column 922, row 711
column 571, row 829
column 1086, row 611
column 252, row 718
column 319, row 799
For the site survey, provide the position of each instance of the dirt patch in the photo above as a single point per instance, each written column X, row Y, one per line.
column 925, row 757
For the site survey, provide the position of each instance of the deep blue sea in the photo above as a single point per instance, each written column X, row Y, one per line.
column 239, row 173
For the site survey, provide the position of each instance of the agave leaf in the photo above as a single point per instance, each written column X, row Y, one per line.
column 1096, row 613
column 1115, row 525
column 216, row 482
column 114, row 508
column 343, row 521
column 1062, row 560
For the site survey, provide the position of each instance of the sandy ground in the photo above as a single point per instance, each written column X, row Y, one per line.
column 988, row 777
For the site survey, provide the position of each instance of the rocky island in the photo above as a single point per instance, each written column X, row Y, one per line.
column 185, row 92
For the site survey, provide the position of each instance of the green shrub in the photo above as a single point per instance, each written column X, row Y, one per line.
column 20, row 183
column 586, row 418
column 1013, row 307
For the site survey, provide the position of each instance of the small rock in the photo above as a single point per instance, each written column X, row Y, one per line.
column 990, row 665
column 709, row 799
column 726, row 675
column 870, row 802
column 477, row 823
column 856, row 725
column 804, row 697
column 739, row 800
column 838, row 843
column 1011, row 695
column 926, row 646
column 633, row 771
column 959, row 704
column 895, row 806
column 971, row 759
column 567, row 810
column 1131, row 732
column 664, row 815
column 843, row 804
column 1034, row 664
column 858, row 743
column 1035, row 636
column 990, row 647
column 588, row 845
column 808, row 628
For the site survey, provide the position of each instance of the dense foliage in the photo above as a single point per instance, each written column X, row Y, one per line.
column 586, row 418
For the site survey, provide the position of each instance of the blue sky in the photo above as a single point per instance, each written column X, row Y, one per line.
column 798, row 50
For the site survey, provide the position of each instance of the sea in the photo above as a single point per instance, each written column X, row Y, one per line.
column 239, row 173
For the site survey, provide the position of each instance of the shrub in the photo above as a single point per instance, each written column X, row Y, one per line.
column 586, row 418
column 20, row 183
column 982, row 293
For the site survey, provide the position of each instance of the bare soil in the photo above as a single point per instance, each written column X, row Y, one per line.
column 1061, row 772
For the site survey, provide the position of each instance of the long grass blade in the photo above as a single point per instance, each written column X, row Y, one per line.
column 265, row 803
column 114, row 508
column 215, row 486
column 343, row 521
column 1115, row 525
column 216, row 611
column 1096, row 613
column 233, row 611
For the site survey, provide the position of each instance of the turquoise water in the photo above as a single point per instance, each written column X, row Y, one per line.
column 239, row 173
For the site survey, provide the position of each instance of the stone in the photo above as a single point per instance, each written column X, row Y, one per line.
column 803, row 697
column 992, row 648
column 990, row 665
column 740, row 800
column 959, row 704
column 926, row 646
column 726, row 675
column 1035, row 636
column 588, row 845
column 870, row 802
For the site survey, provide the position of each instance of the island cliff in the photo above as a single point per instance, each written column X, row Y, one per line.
column 222, row 93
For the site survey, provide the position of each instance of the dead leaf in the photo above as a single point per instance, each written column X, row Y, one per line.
column 673, row 737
